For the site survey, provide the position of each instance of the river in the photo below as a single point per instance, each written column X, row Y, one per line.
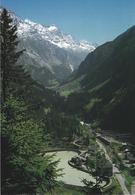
column 70, row 175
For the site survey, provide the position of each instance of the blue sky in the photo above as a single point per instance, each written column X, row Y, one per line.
column 92, row 20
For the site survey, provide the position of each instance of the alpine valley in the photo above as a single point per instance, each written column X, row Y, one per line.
column 67, row 111
column 102, row 90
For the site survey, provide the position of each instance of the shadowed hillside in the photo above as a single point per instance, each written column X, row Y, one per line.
column 107, row 88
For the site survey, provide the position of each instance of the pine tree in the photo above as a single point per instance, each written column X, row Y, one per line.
column 26, row 169
column 10, row 72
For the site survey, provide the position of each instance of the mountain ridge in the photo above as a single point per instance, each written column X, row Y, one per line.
column 49, row 51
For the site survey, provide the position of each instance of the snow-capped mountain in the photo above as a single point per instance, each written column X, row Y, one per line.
column 53, row 35
column 50, row 55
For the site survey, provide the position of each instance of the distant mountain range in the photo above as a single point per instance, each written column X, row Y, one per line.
column 103, row 88
column 51, row 55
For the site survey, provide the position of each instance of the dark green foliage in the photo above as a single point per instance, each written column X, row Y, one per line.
column 62, row 125
column 25, row 169
column 10, row 73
